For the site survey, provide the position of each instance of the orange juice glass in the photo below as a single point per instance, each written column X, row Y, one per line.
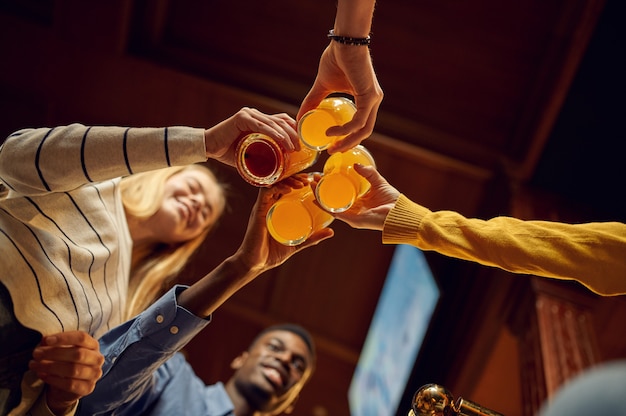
column 262, row 161
column 332, row 111
column 341, row 185
column 295, row 216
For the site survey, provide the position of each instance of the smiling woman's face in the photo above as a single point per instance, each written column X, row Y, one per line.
column 192, row 202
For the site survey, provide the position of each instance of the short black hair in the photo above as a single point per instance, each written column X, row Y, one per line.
column 295, row 329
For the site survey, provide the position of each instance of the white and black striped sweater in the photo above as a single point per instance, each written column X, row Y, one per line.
column 64, row 241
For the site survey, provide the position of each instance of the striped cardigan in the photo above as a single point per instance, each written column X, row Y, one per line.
column 64, row 239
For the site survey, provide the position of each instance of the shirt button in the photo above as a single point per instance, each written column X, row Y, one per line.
column 160, row 319
column 174, row 330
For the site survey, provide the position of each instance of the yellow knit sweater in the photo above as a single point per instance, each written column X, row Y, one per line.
column 592, row 253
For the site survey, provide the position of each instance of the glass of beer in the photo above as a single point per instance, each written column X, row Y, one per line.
column 295, row 216
column 262, row 161
column 341, row 185
column 332, row 111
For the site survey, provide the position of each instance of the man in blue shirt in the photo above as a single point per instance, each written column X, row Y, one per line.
column 145, row 375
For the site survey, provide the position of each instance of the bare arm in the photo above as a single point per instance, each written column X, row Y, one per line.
column 354, row 17
column 348, row 69
column 258, row 253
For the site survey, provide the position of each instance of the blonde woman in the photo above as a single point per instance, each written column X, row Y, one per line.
column 69, row 240
column 157, row 259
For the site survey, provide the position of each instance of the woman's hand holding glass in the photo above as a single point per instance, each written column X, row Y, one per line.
column 221, row 140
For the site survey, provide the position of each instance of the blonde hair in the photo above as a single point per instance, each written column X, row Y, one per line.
column 154, row 268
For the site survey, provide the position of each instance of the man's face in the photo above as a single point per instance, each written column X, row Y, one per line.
column 275, row 368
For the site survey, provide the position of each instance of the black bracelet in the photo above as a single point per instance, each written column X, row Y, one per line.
column 347, row 40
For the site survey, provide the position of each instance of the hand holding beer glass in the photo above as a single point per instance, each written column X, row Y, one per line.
column 341, row 185
column 296, row 215
column 332, row 111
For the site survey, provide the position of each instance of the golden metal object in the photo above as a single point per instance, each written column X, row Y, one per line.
column 431, row 400
column 436, row 400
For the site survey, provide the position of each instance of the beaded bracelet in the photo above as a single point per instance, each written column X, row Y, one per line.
column 347, row 40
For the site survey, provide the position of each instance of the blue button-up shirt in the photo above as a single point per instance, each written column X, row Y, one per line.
column 143, row 373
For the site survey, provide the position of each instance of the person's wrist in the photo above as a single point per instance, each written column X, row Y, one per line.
column 210, row 145
column 345, row 39
column 242, row 265
column 61, row 408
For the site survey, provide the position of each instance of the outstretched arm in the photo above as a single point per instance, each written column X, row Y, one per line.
column 591, row 253
column 348, row 69
column 59, row 159
column 258, row 253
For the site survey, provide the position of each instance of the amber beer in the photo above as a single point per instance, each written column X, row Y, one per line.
column 341, row 185
column 295, row 216
column 332, row 111
column 262, row 161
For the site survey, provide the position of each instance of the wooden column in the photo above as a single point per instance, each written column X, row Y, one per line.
column 557, row 340
column 554, row 318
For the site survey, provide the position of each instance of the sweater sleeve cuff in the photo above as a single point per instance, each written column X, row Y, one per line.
column 403, row 221
column 186, row 145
